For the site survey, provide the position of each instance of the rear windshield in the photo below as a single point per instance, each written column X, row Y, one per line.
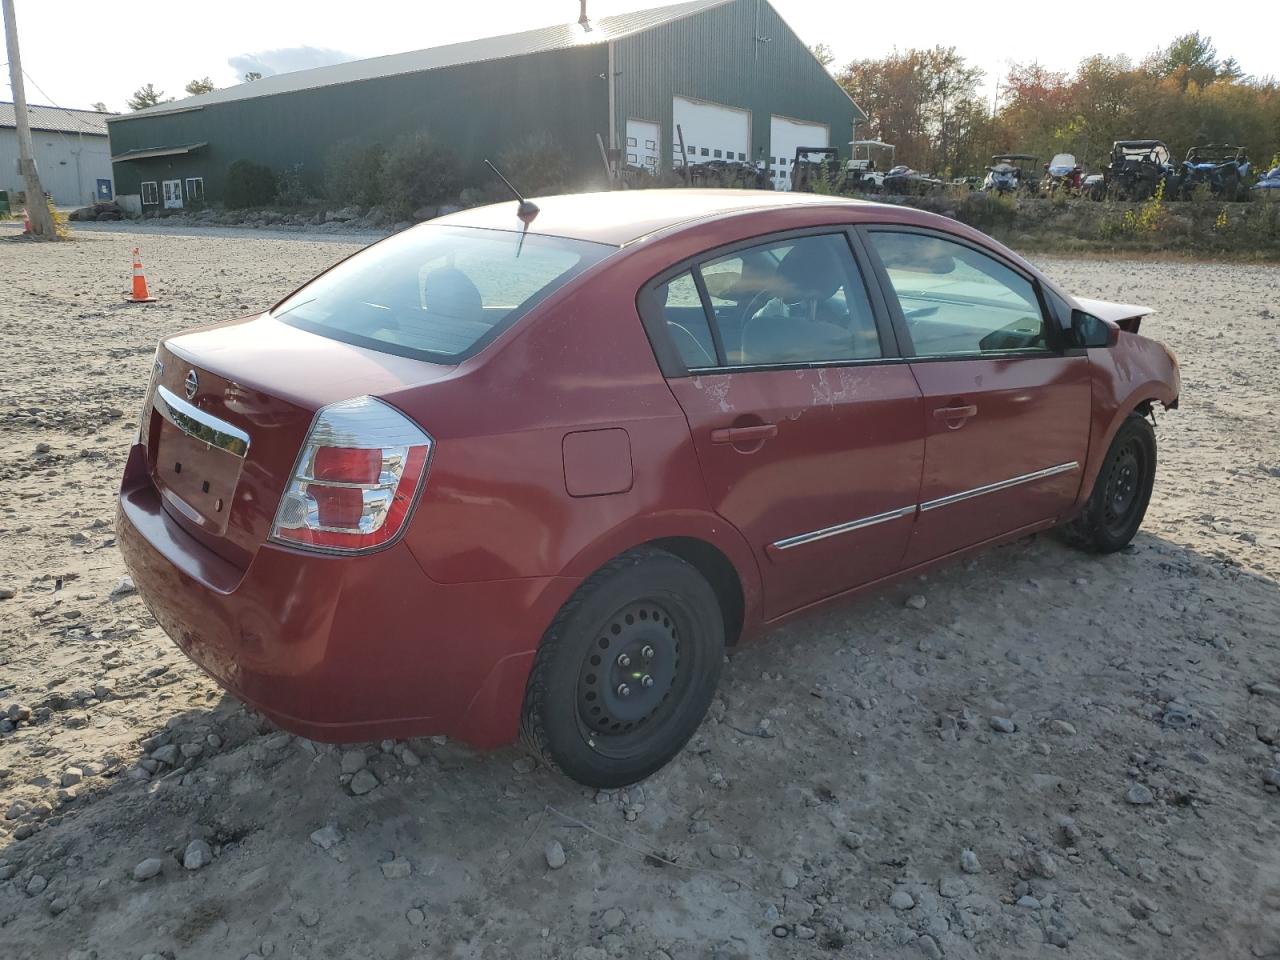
column 437, row 293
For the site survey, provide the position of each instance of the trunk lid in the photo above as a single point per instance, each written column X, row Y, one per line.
column 229, row 409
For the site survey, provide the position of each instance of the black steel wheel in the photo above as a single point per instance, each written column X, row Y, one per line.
column 626, row 671
column 1118, row 503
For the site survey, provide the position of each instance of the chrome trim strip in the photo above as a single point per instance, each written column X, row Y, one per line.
column 803, row 538
column 202, row 426
column 1000, row 485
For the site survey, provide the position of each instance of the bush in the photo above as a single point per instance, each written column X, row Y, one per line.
column 418, row 172
column 249, row 184
column 291, row 191
column 537, row 165
column 353, row 173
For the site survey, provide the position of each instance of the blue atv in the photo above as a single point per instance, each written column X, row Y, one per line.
column 1220, row 167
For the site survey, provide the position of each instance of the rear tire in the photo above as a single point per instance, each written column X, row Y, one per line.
column 626, row 671
column 1118, row 503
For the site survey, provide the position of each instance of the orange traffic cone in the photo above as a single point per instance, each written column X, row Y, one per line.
column 140, row 293
column 26, row 221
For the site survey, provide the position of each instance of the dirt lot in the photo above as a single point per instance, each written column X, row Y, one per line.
column 850, row 795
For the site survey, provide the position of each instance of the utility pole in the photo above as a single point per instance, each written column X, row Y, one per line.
column 37, row 209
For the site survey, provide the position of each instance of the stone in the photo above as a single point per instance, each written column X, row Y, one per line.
column 1043, row 865
column 353, row 760
column 969, row 862
column 901, row 900
column 851, row 840
column 524, row 764
column 612, row 918
column 148, row 868
column 1002, row 725
column 725, row 851
column 36, row 885
column 408, row 757
column 7, row 592
column 415, row 916
column 953, row 888
column 1028, row 902
column 916, row 602
column 1272, row 777
column 397, row 869
column 309, row 915
column 125, row 588
column 1062, row 728
column 1139, row 794
column 71, row 776
column 554, row 852
column 929, row 947
column 168, row 754
column 1268, row 690
column 790, row 879
column 198, row 854
column 327, row 837
column 363, row 782
column 278, row 741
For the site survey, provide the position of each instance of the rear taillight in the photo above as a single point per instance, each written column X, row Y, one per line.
column 356, row 480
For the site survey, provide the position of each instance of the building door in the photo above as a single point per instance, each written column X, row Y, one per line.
column 172, row 194
column 104, row 190
column 711, row 131
column 643, row 143
column 785, row 136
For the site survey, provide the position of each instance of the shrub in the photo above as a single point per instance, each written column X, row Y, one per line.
column 418, row 172
column 249, row 184
column 536, row 165
column 353, row 173
column 291, row 191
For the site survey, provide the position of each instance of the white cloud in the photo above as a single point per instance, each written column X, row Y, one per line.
column 270, row 62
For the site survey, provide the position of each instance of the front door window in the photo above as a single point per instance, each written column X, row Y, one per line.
column 172, row 194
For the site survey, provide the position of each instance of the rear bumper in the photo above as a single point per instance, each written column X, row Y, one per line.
column 340, row 649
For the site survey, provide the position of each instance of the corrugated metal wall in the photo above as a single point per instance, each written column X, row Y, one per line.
column 740, row 54
column 69, row 164
column 478, row 109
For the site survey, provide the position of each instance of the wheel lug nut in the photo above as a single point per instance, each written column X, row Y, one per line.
column 624, row 660
column 647, row 652
column 624, row 690
column 646, row 681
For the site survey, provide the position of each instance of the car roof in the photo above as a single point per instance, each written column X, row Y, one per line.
column 619, row 217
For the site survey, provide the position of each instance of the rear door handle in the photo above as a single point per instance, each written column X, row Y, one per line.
column 753, row 434
column 961, row 412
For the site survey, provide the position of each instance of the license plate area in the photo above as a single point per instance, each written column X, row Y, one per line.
column 194, row 477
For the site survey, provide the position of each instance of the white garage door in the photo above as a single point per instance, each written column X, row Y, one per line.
column 785, row 135
column 711, row 131
column 643, row 137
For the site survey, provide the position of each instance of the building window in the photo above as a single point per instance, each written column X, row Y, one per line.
column 631, row 141
column 650, row 145
column 741, row 155
column 631, row 158
column 150, row 192
column 706, row 152
column 717, row 154
column 195, row 188
column 691, row 150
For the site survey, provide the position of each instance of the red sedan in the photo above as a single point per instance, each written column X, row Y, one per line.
column 489, row 479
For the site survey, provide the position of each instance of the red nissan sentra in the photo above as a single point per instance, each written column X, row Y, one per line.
column 487, row 480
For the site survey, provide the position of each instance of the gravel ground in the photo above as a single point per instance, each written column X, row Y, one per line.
column 1032, row 752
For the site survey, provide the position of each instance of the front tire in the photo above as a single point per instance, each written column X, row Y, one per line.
column 1120, row 496
column 626, row 671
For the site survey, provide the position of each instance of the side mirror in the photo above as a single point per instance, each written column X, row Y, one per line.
column 1090, row 331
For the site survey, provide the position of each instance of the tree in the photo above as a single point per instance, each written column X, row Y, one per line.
column 251, row 76
column 1191, row 58
column 145, row 96
column 823, row 53
column 197, row 87
column 100, row 107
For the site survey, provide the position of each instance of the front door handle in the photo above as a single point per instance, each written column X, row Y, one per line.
column 756, row 433
column 958, row 412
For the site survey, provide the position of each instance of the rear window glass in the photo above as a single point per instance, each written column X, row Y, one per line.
column 437, row 293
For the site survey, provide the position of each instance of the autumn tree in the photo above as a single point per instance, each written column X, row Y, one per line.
column 197, row 87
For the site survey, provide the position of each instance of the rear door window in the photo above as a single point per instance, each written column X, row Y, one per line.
column 686, row 321
column 437, row 293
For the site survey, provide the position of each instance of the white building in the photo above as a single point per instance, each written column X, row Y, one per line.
column 71, row 151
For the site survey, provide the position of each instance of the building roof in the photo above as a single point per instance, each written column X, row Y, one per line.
column 558, row 37
column 58, row 119
column 619, row 217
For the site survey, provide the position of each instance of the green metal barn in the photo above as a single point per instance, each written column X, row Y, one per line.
column 730, row 74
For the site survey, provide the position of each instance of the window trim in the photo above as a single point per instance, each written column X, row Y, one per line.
column 155, row 192
column 186, row 185
column 672, row 364
column 1057, row 344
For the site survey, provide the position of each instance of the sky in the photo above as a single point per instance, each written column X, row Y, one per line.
column 71, row 63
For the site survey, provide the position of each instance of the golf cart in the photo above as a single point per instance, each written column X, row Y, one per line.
column 862, row 171
column 1010, row 173
column 1220, row 167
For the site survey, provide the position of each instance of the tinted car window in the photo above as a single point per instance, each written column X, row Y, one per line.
column 800, row 300
column 687, row 321
column 437, row 293
column 956, row 300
